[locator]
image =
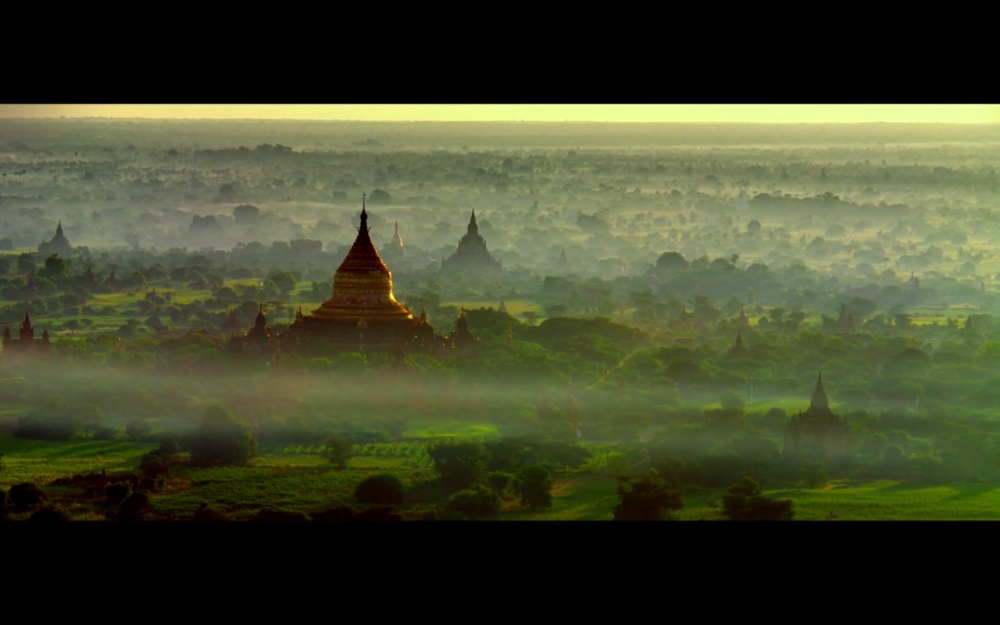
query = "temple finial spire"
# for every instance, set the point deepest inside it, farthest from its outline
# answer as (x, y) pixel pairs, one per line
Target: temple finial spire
(819, 398)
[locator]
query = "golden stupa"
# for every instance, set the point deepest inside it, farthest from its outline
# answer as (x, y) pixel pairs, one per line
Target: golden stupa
(362, 286)
(362, 313)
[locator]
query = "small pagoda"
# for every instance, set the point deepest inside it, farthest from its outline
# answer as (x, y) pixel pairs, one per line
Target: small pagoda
(817, 431)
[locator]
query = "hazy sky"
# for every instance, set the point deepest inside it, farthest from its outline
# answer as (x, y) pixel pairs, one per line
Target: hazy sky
(761, 113)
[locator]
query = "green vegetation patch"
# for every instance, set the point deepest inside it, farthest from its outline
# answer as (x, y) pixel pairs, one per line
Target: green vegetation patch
(274, 481)
(41, 462)
(889, 500)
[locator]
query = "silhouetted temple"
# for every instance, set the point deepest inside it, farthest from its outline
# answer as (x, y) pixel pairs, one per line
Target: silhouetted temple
(58, 245)
(563, 263)
(739, 350)
(846, 322)
(742, 319)
(260, 339)
(472, 256)
(26, 344)
(462, 338)
(89, 279)
(231, 325)
(362, 313)
(817, 431)
(113, 282)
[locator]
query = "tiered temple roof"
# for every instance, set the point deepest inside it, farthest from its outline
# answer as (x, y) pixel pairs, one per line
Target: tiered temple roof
(472, 255)
(362, 311)
(57, 245)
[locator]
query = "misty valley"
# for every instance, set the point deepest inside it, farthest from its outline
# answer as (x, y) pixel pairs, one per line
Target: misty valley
(354, 321)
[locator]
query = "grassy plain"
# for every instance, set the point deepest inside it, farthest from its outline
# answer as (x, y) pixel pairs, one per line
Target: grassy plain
(41, 462)
(306, 482)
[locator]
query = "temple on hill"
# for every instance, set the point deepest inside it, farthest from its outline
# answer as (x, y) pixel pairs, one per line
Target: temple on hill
(26, 344)
(57, 245)
(472, 256)
(362, 313)
(818, 430)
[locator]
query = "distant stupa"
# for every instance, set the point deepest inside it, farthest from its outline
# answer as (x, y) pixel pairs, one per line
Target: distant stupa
(472, 256)
(741, 201)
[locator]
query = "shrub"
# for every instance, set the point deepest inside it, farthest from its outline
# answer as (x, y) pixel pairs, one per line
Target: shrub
(154, 464)
(651, 499)
(207, 515)
(136, 507)
(344, 513)
(475, 503)
(339, 450)
(378, 515)
(26, 495)
(460, 465)
(138, 429)
(223, 439)
(104, 433)
(499, 481)
(745, 502)
(380, 489)
(49, 513)
(117, 493)
(269, 515)
(168, 447)
(533, 486)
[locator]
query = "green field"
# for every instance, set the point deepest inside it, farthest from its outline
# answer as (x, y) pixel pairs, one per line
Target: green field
(306, 482)
(41, 462)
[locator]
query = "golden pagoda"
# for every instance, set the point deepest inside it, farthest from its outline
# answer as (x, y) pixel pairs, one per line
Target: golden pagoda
(362, 306)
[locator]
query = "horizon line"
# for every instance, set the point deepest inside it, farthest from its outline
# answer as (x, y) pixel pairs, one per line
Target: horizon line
(503, 121)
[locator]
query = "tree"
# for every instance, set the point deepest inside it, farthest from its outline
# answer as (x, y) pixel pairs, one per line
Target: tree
(533, 486)
(222, 439)
(379, 197)
(460, 465)
(380, 489)
(475, 503)
(135, 507)
(671, 261)
(49, 513)
(246, 214)
(284, 281)
(138, 429)
(651, 499)
(745, 502)
(339, 450)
